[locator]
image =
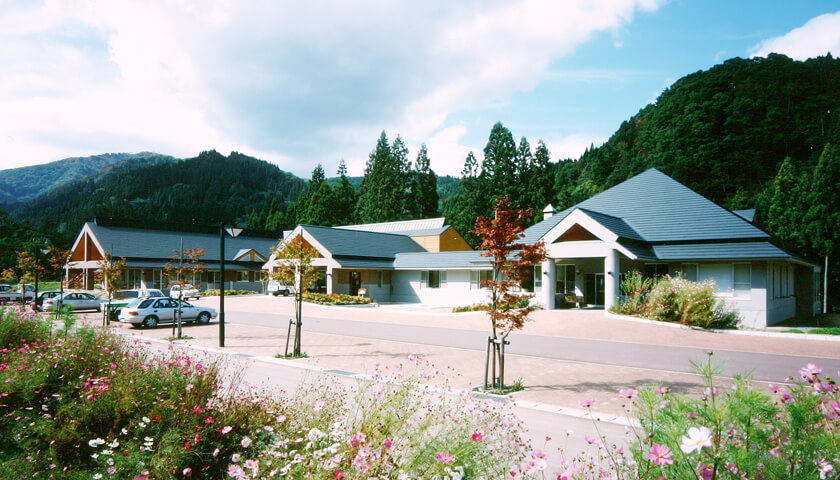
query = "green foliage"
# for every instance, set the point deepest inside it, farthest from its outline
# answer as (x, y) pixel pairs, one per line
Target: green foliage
(344, 198)
(314, 205)
(382, 193)
(215, 293)
(635, 288)
(334, 299)
(205, 190)
(422, 199)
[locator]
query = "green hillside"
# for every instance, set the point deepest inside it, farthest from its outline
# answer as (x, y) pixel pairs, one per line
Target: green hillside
(26, 183)
(202, 190)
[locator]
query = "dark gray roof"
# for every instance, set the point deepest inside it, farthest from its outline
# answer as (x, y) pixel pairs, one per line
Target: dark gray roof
(466, 259)
(747, 214)
(719, 251)
(614, 224)
(206, 265)
(351, 262)
(141, 243)
(661, 209)
(358, 243)
(537, 231)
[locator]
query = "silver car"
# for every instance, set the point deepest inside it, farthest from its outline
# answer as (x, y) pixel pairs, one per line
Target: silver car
(149, 312)
(75, 301)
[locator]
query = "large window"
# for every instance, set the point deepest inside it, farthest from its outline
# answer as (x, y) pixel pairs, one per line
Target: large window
(742, 279)
(478, 277)
(656, 269)
(433, 279)
(689, 271)
(565, 278)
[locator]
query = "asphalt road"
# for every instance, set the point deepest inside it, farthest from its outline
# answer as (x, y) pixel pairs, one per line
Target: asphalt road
(762, 366)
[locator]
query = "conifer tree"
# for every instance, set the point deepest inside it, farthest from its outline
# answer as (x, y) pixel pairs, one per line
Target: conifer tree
(469, 203)
(423, 197)
(498, 170)
(541, 179)
(788, 204)
(314, 205)
(344, 198)
(382, 192)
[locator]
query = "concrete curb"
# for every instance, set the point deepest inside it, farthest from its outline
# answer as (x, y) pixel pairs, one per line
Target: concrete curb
(524, 404)
(753, 333)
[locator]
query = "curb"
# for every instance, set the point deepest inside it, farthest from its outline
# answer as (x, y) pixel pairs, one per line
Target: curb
(524, 404)
(753, 333)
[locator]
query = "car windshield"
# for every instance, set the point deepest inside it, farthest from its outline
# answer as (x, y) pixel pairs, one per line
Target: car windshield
(185, 304)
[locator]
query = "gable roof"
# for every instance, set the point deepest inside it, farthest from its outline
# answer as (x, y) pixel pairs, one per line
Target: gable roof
(357, 243)
(399, 226)
(143, 243)
(655, 208)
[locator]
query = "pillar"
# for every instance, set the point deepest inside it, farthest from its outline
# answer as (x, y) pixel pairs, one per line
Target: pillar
(611, 282)
(546, 295)
(329, 280)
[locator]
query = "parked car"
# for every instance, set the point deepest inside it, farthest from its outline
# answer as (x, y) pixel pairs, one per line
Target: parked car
(47, 294)
(75, 300)
(122, 298)
(10, 293)
(186, 293)
(149, 312)
(276, 288)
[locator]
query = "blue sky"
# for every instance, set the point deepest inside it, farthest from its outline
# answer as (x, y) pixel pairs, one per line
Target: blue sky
(301, 85)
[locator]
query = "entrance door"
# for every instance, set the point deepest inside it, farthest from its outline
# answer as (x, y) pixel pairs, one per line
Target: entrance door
(355, 282)
(593, 289)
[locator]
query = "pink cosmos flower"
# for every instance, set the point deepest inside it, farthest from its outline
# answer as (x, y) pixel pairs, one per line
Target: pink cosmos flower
(386, 443)
(111, 470)
(809, 372)
(704, 472)
(187, 472)
(318, 406)
(444, 457)
(225, 430)
(252, 465)
(338, 475)
(692, 415)
(568, 473)
(696, 439)
(660, 454)
(586, 402)
(775, 388)
(208, 419)
(823, 467)
(246, 442)
(477, 437)
(628, 393)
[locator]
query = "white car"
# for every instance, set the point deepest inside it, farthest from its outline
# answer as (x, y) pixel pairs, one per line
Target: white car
(149, 312)
(187, 292)
(75, 301)
(276, 288)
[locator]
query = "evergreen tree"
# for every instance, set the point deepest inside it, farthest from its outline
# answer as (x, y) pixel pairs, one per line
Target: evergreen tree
(498, 170)
(423, 196)
(823, 215)
(788, 205)
(469, 203)
(344, 198)
(383, 189)
(541, 179)
(314, 206)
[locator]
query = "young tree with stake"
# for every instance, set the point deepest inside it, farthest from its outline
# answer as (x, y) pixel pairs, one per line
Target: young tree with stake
(181, 266)
(294, 267)
(512, 262)
(109, 275)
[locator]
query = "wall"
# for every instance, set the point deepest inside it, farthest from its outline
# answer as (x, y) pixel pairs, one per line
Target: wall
(456, 292)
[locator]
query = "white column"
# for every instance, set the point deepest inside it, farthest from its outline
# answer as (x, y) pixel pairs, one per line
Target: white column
(329, 280)
(611, 283)
(546, 295)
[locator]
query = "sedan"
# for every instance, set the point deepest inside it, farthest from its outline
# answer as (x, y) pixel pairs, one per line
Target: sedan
(75, 301)
(149, 312)
(45, 295)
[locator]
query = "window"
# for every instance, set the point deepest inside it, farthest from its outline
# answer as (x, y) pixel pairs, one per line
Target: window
(689, 271)
(379, 278)
(742, 279)
(433, 279)
(478, 277)
(720, 273)
(241, 276)
(133, 278)
(565, 278)
(656, 269)
(537, 277)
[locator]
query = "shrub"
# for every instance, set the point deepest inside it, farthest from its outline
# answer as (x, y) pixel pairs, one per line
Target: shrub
(215, 293)
(335, 299)
(481, 307)
(677, 300)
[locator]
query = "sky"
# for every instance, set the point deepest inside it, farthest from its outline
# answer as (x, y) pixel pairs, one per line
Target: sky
(303, 83)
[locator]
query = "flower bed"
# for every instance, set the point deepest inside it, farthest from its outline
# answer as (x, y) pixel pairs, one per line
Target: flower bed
(334, 299)
(215, 293)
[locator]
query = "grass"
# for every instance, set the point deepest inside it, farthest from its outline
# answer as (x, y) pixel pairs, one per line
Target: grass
(514, 387)
(826, 331)
(182, 337)
(292, 356)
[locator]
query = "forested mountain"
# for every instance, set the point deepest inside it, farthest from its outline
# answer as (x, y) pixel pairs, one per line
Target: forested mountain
(202, 190)
(26, 183)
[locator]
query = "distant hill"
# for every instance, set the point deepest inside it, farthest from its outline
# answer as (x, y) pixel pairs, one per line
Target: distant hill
(203, 190)
(26, 183)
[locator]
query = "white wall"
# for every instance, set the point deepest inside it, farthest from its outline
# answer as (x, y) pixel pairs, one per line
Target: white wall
(456, 292)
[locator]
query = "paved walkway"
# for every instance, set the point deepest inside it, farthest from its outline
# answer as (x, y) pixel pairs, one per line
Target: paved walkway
(553, 384)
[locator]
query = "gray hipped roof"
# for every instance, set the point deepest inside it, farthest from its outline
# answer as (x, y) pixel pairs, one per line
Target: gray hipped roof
(663, 219)
(142, 243)
(357, 243)
(471, 259)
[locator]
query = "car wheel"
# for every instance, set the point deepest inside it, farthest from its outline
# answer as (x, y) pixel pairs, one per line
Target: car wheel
(150, 322)
(203, 318)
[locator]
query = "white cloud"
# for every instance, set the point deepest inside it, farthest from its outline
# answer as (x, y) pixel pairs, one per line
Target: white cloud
(818, 36)
(294, 83)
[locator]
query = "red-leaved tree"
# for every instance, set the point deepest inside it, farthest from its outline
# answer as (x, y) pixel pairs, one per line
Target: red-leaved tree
(512, 262)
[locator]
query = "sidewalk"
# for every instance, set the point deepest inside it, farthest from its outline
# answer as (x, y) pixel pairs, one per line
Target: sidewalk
(549, 384)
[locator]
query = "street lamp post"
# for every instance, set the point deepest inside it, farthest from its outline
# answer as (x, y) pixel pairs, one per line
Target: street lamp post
(35, 298)
(233, 232)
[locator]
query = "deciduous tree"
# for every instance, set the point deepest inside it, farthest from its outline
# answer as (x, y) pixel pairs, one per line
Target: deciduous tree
(294, 267)
(181, 269)
(512, 261)
(109, 276)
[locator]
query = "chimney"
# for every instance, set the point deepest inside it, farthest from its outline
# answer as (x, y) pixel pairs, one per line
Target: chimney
(548, 212)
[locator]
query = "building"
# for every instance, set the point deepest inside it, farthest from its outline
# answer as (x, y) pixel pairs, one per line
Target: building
(147, 250)
(650, 223)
